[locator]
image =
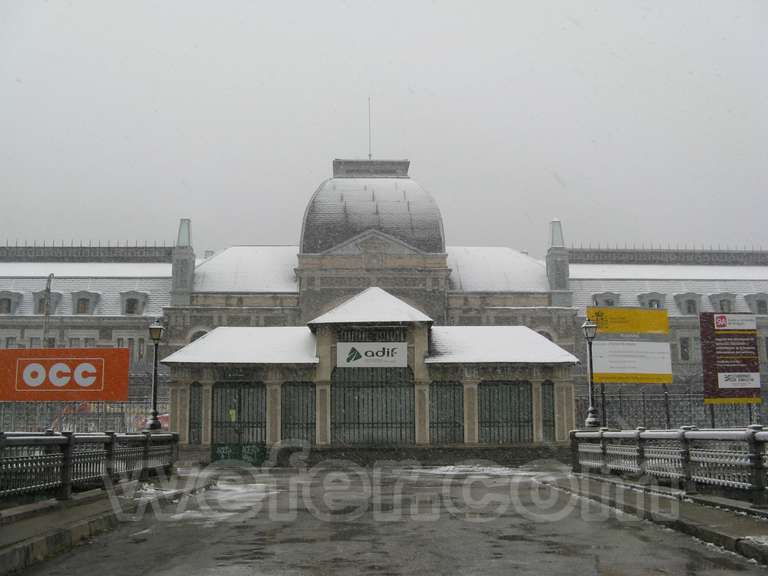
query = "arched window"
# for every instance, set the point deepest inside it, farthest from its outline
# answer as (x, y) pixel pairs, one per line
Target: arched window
(5, 305)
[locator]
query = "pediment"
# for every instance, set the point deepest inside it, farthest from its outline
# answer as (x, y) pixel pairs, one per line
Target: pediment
(372, 242)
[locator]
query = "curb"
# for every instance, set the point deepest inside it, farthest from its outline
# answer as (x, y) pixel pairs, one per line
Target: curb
(747, 547)
(24, 554)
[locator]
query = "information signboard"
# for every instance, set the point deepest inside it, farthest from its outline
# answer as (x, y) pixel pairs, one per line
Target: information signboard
(730, 358)
(64, 374)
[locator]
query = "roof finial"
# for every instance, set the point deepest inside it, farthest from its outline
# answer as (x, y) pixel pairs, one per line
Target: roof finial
(370, 153)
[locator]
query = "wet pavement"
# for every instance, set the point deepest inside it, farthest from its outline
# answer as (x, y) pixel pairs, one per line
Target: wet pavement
(343, 519)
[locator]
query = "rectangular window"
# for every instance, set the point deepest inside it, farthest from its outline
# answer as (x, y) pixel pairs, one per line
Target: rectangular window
(34, 342)
(74, 342)
(655, 304)
(609, 302)
(142, 349)
(82, 305)
(10, 342)
(685, 349)
(762, 307)
(130, 350)
(5, 305)
(725, 306)
(90, 342)
(50, 343)
(690, 307)
(121, 342)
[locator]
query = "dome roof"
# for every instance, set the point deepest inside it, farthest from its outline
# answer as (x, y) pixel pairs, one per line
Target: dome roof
(371, 194)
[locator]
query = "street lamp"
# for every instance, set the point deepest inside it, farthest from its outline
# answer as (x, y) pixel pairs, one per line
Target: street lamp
(590, 331)
(155, 334)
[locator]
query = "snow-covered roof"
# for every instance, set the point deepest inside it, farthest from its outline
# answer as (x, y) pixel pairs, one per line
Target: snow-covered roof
(372, 305)
(495, 269)
(249, 269)
(666, 272)
(494, 344)
(263, 345)
(85, 269)
(109, 303)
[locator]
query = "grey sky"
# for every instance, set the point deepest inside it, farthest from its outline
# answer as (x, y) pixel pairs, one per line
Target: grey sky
(631, 121)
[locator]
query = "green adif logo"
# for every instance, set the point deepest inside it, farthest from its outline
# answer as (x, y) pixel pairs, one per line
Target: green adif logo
(353, 355)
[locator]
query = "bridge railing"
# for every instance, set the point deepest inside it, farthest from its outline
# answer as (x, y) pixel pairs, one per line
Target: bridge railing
(62, 462)
(730, 460)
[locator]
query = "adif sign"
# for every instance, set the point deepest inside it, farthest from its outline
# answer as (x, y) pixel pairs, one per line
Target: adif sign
(372, 354)
(64, 374)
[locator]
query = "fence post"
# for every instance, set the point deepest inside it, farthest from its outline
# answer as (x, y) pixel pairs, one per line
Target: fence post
(603, 452)
(575, 464)
(712, 416)
(685, 460)
(109, 448)
(666, 409)
(640, 451)
(642, 400)
(756, 466)
(145, 457)
(67, 457)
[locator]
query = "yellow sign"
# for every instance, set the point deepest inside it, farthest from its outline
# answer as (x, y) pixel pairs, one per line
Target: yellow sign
(621, 378)
(611, 320)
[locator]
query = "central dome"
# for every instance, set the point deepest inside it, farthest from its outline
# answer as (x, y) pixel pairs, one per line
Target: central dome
(371, 195)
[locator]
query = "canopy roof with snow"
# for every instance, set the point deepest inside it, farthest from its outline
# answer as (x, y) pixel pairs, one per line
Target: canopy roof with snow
(494, 344)
(264, 345)
(448, 344)
(372, 305)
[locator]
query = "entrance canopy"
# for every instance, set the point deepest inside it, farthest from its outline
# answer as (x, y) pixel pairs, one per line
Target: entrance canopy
(372, 305)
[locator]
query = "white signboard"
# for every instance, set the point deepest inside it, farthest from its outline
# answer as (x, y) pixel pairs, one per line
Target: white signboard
(735, 322)
(631, 361)
(738, 380)
(372, 354)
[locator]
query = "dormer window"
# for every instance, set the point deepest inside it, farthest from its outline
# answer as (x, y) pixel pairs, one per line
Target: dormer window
(10, 301)
(758, 303)
(53, 302)
(84, 302)
(724, 302)
(607, 299)
(688, 303)
(653, 300)
(133, 303)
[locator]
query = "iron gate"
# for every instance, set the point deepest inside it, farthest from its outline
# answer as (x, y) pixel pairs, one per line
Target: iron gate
(446, 413)
(239, 421)
(196, 413)
(505, 412)
(297, 409)
(548, 410)
(372, 406)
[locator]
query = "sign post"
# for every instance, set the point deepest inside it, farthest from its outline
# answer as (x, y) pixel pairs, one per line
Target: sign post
(730, 358)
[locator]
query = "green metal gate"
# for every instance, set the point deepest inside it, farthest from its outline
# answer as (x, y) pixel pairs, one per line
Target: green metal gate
(372, 406)
(548, 410)
(297, 412)
(196, 413)
(505, 413)
(239, 421)
(446, 413)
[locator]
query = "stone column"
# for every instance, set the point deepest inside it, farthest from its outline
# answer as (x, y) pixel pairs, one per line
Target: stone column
(183, 413)
(207, 412)
(561, 412)
(323, 413)
(422, 412)
(471, 430)
(538, 423)
(274, 391)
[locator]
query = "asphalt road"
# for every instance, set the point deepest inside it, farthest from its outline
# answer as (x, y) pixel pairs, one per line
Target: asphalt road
(345, 520)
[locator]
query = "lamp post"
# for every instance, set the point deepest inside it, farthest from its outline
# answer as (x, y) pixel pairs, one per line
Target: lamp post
(590, 331)
(155, 334)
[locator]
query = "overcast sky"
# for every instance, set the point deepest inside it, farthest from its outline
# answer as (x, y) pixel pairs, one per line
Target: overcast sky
(631, 121)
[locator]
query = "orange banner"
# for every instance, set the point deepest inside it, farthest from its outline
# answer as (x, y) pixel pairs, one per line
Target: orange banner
(64, 374)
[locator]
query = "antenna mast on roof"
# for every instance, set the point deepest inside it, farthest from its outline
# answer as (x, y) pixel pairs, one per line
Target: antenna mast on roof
(370, 155)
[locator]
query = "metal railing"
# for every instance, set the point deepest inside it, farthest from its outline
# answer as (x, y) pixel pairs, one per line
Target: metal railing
(666, 410)
(78, 416)
(60, 463)
(732, 460)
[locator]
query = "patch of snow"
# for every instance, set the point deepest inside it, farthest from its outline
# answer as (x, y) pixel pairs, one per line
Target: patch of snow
(263, 345)
(495, 269)
(249, 269)
(372, 305)
(507, 344)
(85, 269)
(666, 272)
